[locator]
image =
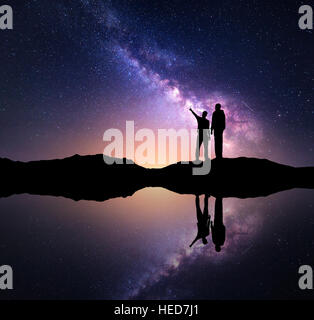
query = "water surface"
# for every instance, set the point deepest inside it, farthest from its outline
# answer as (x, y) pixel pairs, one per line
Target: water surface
(138, 247)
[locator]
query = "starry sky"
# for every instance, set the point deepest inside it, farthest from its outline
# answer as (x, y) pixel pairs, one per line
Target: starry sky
(72, 69)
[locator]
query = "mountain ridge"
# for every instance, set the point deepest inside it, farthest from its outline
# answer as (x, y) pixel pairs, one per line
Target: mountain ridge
(88, 177)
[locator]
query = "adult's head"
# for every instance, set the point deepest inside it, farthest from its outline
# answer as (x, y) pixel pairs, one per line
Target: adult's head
(204, 114)
(217, 106)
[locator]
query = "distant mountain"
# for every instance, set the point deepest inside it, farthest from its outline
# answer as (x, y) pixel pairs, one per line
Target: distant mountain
(76, 177)
(90, 178)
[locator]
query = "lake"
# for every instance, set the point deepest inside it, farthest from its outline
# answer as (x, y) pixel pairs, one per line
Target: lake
(138, 247)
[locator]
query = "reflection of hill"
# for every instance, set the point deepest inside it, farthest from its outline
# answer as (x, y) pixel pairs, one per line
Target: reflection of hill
(89, 178)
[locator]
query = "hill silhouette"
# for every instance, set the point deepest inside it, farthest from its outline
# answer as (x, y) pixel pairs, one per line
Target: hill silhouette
(90, 178)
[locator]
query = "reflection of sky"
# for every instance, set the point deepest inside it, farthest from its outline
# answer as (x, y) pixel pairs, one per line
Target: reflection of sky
(138, 247)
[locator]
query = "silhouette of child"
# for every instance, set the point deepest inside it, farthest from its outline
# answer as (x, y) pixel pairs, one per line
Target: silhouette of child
(203, 221)
(202, 124)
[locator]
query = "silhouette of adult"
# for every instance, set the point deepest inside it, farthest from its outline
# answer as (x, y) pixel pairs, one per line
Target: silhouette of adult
(203, 134)
(203, 220)
(218, 229)
(218, 126)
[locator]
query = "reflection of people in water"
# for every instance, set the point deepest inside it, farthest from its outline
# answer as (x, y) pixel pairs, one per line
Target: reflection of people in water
(218, 228)
(203, 220)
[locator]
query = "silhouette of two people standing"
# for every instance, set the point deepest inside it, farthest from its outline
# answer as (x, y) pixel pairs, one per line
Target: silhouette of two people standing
(204, 225)
(218, 126)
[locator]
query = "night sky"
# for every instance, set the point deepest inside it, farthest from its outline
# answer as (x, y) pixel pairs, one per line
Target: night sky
(72, 69)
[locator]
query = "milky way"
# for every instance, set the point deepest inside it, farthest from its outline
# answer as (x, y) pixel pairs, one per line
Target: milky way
(92, 65)
(167, 99)
(72, 69)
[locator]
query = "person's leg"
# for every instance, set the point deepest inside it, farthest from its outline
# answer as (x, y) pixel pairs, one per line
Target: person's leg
(198, 208)
(218, 145)
(205, 143)
(221, 144)
(200, 141)
(206, 206)
(199, 144)
(197, 147)
(218, 211)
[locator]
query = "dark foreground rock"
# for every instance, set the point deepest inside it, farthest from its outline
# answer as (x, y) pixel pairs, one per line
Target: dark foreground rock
(90, 178)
